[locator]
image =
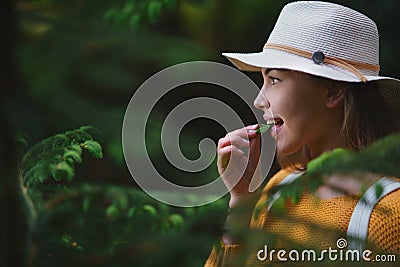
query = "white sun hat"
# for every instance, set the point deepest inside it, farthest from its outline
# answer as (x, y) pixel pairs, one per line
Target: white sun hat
(326, 40)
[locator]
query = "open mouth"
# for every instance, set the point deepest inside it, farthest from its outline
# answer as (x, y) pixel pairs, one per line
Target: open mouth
(275, 121)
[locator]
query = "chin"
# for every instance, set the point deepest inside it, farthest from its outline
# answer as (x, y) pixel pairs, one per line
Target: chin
(296, 160)
(286, 149)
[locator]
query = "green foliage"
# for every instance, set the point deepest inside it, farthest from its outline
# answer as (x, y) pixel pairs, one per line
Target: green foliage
(263, 128)
(56, 156)
(381, 157)
(88, 56)
(102, 225)
(136, 13)
(94, 148)
(79, 62)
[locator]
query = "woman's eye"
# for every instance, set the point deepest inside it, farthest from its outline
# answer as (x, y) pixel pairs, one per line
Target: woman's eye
(274, 80)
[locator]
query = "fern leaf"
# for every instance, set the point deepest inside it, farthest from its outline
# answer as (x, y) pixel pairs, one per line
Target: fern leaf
(63, 170)
(72, 156)
(94, 148)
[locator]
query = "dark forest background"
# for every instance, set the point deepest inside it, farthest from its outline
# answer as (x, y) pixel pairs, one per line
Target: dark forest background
(65, 64)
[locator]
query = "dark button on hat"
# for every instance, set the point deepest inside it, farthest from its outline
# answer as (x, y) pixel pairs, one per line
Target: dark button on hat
(318, 57)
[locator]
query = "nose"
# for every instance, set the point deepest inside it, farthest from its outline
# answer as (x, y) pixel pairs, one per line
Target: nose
(261, 101)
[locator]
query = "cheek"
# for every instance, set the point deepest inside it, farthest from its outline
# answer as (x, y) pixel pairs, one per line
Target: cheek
(306, 110)
(303, 122)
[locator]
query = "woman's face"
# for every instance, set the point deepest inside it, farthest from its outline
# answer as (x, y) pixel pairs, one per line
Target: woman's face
(298, 104)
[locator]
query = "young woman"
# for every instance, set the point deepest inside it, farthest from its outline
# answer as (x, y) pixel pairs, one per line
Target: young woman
(323, 91)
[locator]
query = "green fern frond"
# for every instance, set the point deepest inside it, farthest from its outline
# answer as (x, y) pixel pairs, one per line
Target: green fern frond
(72, 156)
(62, 170)
(381, 157)
(94, 148)
(55, 156)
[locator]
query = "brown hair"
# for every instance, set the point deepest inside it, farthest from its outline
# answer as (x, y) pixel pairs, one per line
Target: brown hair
(366, 119)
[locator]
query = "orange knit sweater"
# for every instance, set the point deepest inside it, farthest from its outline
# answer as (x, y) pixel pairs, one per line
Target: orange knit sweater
(315, 224)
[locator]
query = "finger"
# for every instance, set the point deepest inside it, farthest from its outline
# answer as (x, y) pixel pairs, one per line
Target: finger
(246, 132)
(239, 137)
(223, 142)
(231, 165)
(226, 153)
(235, 141)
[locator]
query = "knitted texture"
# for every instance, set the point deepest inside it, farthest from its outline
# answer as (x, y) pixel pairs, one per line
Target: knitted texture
(384, 224)
(317, 223)
(223, 255)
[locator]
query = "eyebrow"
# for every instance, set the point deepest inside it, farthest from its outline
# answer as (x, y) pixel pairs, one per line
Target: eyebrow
(268, 71)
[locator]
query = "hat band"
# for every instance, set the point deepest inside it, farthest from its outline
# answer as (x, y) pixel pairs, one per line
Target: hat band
(344, 63)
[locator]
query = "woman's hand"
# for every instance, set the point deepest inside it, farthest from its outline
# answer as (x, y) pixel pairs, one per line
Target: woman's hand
(238, 158)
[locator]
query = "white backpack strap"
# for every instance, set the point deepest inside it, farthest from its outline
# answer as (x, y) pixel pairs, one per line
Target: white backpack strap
(287, 180)
(357, 230)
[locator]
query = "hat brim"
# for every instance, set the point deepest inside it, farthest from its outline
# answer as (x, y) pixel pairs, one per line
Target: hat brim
(276, 59)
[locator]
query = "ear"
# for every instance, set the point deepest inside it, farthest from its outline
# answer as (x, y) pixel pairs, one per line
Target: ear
(334, 95)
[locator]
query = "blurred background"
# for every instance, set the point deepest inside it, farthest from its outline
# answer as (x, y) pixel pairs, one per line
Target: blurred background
(65, 64)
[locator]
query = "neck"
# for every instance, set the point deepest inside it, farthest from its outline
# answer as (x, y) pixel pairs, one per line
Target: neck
(328, 142)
